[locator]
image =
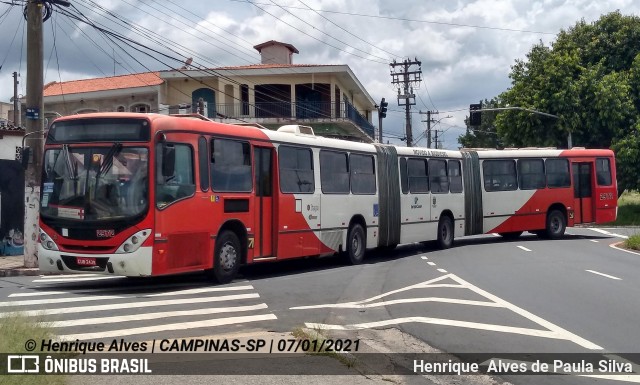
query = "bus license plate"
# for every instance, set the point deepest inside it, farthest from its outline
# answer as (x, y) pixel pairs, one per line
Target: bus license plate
(83, 261)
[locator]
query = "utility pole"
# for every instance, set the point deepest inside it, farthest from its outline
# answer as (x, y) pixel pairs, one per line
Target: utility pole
(429, 121)
(16, 102)
(436, 138)
(34, 125)
(404, 78)
(34, 132)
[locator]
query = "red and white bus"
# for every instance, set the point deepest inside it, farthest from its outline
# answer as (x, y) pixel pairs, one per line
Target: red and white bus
(144, 194)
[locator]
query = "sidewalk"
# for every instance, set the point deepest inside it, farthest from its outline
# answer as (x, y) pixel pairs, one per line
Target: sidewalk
(12, 266)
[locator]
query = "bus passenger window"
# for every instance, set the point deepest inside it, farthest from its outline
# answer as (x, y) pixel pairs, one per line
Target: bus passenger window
(455, 176)
(296, 170)
(418, 176)
(231, 166)
(404, 179)
(499, 175)
(603, 172)
(334, 172)
(363, 175)
(531, 174)
(557, 171)
(438, 178)
(179, 185)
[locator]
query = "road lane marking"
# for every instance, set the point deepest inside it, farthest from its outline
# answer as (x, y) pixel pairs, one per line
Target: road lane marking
(615, 246)
(129, 305)
(438, 321)
(423, 257)
(56, 276)
(553, 331)
(431, 263)
(432, 283)
(593, 240)
(523, 248)
(152, 316)
(605, 275)
(81, 298)
(442, 270)
(352, 305)
(608, 233)
(169, 327)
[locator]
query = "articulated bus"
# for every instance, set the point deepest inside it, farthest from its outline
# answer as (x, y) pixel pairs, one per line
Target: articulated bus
(145, 194)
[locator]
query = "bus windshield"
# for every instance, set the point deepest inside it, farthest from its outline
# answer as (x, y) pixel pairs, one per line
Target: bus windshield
(95, 183)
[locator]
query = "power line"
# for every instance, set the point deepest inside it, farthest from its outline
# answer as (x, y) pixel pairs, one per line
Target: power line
(415, 20)
(311, 36)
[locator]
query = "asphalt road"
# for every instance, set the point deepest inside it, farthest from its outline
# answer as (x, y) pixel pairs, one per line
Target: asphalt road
(485, 295)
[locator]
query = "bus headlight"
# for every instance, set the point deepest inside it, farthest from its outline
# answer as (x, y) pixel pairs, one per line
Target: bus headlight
(47, 242)
(134, 242)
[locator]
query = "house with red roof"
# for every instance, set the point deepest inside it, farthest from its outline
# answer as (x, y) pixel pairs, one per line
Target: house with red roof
(330, 98)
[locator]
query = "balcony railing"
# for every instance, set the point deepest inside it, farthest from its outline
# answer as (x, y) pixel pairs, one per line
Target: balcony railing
(299, 110)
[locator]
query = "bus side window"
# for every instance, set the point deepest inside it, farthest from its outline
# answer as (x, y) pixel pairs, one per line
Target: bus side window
(179, 185)
(603, 172)
(499, 175)
(455, 176)
(531, 174)
(404, 178)
(231, 166)
(438, 178)
(557, 171)
(417, 172)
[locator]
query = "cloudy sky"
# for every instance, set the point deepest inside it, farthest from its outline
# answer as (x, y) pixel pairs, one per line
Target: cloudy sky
(466, 47)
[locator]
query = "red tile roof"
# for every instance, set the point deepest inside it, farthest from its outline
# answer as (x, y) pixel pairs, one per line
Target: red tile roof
(102, 84)
(141, 80)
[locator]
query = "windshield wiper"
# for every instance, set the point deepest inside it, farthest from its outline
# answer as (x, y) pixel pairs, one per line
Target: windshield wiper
(73, 173)
(107, 163)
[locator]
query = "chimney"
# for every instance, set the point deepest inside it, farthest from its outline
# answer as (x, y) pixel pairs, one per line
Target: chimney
(275, 52)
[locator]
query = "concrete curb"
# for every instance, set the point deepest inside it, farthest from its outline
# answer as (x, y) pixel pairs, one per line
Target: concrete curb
(20, 271)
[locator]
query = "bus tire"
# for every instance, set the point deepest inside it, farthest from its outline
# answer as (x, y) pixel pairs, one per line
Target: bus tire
(356, 244)
(511, 235)
(556, 225)
(227, 258)
(445, 232)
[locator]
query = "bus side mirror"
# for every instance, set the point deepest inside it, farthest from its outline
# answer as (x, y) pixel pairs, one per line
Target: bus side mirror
(25, 153)
(168, 160)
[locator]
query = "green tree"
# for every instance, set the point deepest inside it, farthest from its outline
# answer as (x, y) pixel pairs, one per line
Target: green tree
(485, 135)
(590, 77)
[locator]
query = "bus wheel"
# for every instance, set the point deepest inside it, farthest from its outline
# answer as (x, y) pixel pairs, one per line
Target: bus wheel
(356, 245)
(227, 257)
(445, 232)
(556, 224)
(511, 235)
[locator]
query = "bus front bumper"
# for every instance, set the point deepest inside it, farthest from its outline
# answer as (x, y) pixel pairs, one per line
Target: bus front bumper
(135, 264)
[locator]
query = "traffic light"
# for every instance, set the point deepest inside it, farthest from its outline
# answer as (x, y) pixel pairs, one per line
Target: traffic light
(383, 108)
(475, 116)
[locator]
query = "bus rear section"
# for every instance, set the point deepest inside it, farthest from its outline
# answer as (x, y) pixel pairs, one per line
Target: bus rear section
(539, 190)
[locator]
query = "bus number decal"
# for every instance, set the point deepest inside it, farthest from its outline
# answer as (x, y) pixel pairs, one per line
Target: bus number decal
(606, 196)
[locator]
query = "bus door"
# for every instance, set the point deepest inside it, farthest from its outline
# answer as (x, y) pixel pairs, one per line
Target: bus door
(583, 191)
(263, 173)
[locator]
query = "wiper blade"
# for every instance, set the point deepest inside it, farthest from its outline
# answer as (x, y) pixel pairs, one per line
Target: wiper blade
(108, 158)
(67, 158)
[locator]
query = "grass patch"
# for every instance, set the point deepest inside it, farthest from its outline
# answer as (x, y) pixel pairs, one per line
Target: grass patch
(319, 349)
(628, 209)
(633, 242)
(15, 330)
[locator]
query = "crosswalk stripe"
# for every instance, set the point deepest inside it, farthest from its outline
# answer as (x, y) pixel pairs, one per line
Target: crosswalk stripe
(152, 316)
(60, 300)
(201, 290)
(83, 309)
(169, 327)
(48, 277)
(43, 293)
